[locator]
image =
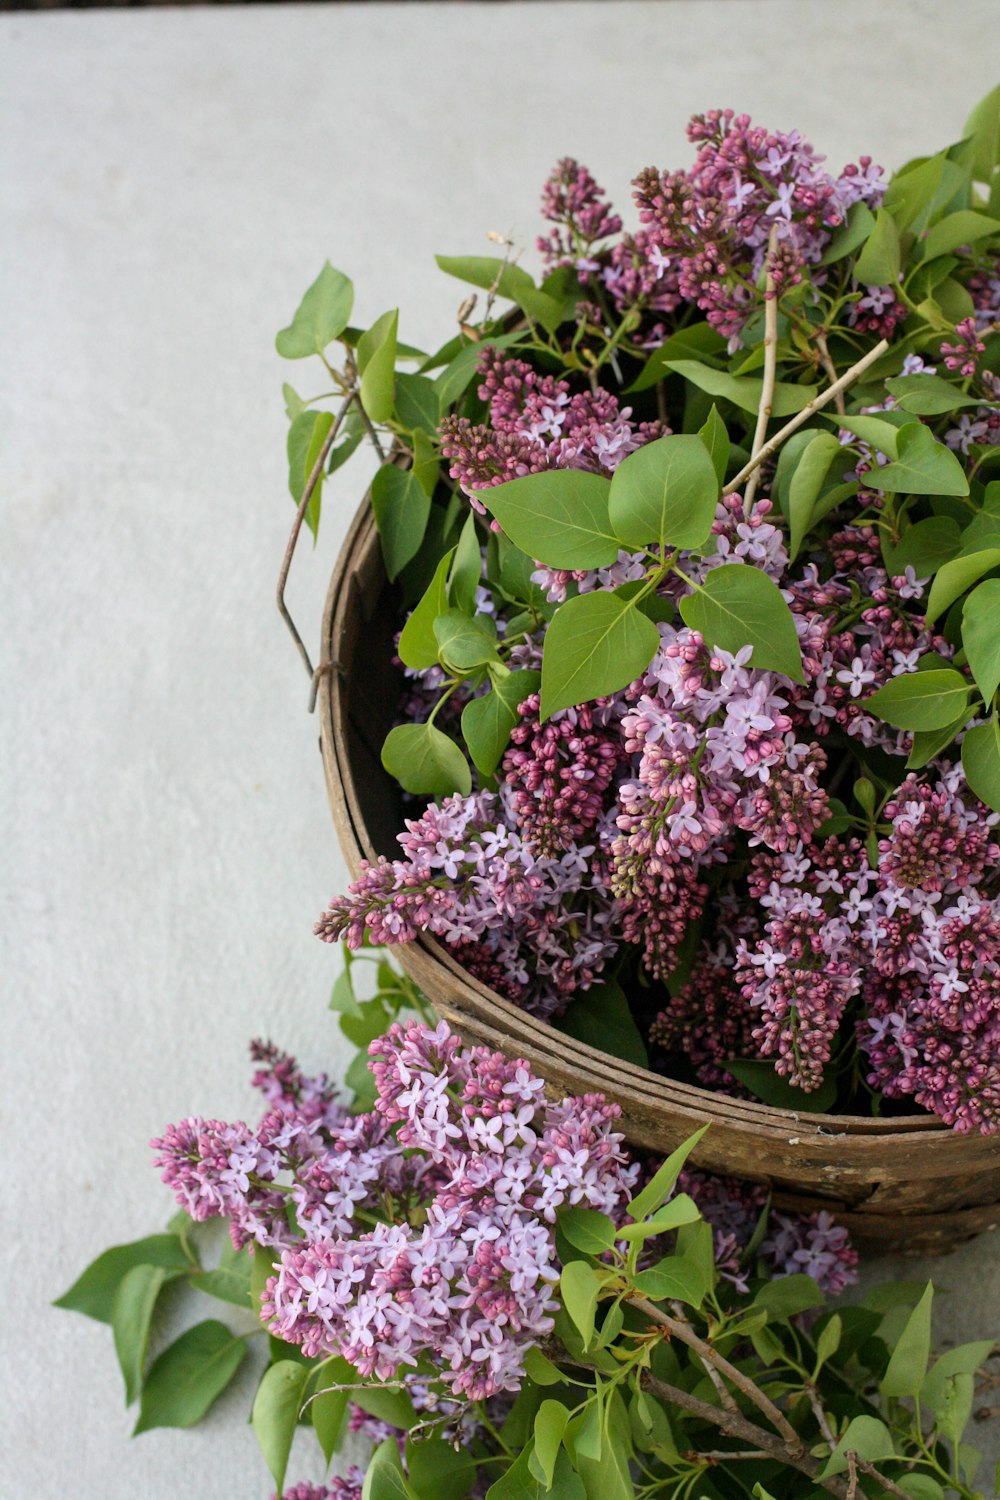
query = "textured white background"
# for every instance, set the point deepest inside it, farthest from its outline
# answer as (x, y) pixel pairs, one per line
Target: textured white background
(171, 181)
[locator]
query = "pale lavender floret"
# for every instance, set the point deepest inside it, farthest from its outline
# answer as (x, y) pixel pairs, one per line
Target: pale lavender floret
(813, 1246)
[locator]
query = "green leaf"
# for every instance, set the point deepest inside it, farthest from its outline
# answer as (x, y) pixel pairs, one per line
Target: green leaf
(418, 646)
(923, 467)
(436, 1471)
(699, 341)
(879, 261)
(907, 1366)
(880, 433)
(426, 468)
(487, 722)
(853, 232)
(587, 1229)
(559, 517)
(829, 1340)
(925, 547)
(953, 578)
(680, 1210)
(739, 606)
(788, 1296)
(596, 645)
(761, 1079)
(920, 1487)
(426, 761)
(602, 1017)
(306, 437)
(294, 404)
(321, 317)
(467, 568)
(540, 1369)
(673, 1279)
(465, 643)
(966, 1359)
(377, 366)
(804, 487)
(665, 492)
(550, 1424)
(509, 281)
(662, 1183)
(920, 700)
(981, 636)
(745, 391)
(402, 510)
(578, 1289)
(457, 374)
(928, 395)
(869, 1438)
(716, 439)
(519, 1483)
(418, 406)
(928, 743)
(131, 1317)
(983, 128)
(608, 1477)
(94, 1292)
(981, 762)
(921, 190)
(327, 1410)
(384, 1479)
(189, 1375)
(275, 1413)
(230, 1281)
(962, 228)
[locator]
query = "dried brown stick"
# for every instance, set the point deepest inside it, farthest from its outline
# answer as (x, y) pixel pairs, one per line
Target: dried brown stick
(770, 368)
(811, 407)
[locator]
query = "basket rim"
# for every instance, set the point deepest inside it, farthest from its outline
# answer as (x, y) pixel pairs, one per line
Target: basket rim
(925, 1134)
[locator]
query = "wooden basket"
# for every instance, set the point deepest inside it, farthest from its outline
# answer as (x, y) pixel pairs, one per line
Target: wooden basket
(899, 1184)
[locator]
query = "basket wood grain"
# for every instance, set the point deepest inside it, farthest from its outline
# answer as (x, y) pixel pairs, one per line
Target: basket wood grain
(904, 1183)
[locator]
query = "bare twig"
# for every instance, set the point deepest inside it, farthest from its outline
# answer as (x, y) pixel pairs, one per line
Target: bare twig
(712, 1358)
(813, 406)
(356, 398)
(722, 1453)
(307, 495)
(770, 368)
(736, 1425)
(873, 1473)
(830, 368)
(852, 1474)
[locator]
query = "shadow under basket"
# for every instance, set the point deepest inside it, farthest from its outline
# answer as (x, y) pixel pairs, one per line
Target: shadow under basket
(902, 1184)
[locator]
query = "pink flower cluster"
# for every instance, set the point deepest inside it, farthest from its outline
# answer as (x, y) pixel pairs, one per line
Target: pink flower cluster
(795, 1244)
(514, 914)
(458, 1171)
(536, 423)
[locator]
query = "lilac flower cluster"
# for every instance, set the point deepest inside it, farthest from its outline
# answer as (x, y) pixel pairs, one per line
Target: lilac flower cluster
(751, 196)
(424, 1230)
(536, 423)
(515, 915)
(794, 1244)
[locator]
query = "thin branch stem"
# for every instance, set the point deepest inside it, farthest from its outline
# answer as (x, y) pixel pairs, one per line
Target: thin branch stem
(873, 1473)
(770, 369)
(711, 1357)
(852, 1474)
(815, 405)
(356, 398)
(307, 495)
(830, 368)
(736, 1425)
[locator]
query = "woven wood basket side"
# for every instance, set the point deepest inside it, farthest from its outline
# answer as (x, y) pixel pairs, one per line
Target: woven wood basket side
(905, 1183)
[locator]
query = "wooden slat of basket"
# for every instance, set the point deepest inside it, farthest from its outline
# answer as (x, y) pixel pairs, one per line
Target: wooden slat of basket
(894, 1174)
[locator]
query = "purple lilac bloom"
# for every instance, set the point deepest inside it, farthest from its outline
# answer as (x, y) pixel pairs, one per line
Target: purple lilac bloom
(470, 1283)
